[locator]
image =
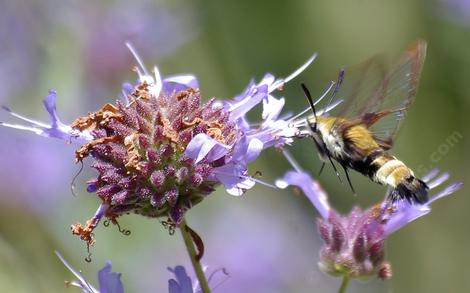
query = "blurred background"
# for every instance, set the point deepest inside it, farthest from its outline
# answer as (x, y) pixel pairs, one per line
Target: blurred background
(266, 239)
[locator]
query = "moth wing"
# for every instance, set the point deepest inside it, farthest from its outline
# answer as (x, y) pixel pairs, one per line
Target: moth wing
(379, 97)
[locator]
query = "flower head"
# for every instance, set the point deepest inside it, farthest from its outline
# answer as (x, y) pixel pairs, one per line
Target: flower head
(160, 150)
(354, 243)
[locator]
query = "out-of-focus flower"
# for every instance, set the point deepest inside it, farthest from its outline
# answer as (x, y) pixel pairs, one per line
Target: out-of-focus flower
(456, 11)
(354, 243)
(112, 24)
(109, 282)
(21, 24)
(183, 284)
(159, 151)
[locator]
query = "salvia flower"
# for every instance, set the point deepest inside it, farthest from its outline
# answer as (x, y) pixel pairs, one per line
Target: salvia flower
(160, 150)
(354, 243)
(182, 282)
(109, 282)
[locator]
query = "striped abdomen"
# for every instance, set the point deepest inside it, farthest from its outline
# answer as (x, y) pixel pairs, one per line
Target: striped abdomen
(394, 173)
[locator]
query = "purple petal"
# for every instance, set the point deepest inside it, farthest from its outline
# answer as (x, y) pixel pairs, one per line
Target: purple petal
(182, 284)
(267, 80)
(179, 82)
(240, 108)
(311, 188)
(127, 89)
(92, 186)
(277, 133)
(232, 176)
(248, 89)
(406, 214)
(173, 286)
(247, 149)
(241, 187)
(438, 181)
(430, 175)
(101, 211)
(451, 188)
(110, 282)
(49, 102)
(203, 145)
(255, 147)
(55, 130)
(272, 107)
(158, 86)
(229, 174)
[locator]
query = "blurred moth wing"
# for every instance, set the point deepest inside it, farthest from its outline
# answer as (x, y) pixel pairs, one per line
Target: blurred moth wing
(380, 97)
(376, 98)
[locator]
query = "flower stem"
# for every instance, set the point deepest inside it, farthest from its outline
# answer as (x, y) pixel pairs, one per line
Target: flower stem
(192, 254)
(344, 284)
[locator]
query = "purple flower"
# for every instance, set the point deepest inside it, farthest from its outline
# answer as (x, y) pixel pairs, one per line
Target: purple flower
(456, 11)
(21, 49)
(354, 243)
(109, 282)
(55, 128)
(183, 284)
(159, 151)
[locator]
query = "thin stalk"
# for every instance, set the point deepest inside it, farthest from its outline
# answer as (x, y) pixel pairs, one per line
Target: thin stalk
(188, 241)
(344, 284)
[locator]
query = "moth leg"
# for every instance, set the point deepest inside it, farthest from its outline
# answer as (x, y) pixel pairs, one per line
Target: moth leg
(321, 168)
(336, 170)
(349, 180)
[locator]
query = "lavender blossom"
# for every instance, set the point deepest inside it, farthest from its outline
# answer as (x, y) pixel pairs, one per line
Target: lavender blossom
(456, 11)
(159, 151)
(354, 243)
(183, 284)
(109, 282)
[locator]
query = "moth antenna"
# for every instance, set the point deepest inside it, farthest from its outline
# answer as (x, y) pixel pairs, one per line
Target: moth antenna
(309, 98)
(339, 82)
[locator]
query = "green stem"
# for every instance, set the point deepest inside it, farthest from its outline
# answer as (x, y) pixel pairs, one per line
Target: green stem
(188, 241)
(344, 284)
